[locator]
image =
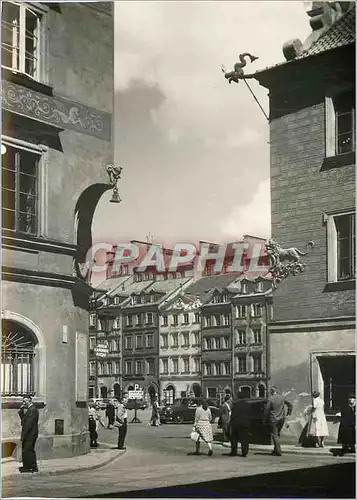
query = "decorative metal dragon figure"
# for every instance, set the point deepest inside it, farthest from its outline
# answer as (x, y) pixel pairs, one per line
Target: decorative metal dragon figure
(284, 262)
(114, 174)
(238, 72)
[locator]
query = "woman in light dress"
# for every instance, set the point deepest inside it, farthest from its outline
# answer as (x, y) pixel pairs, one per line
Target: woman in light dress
(317, 421)
(203, 427)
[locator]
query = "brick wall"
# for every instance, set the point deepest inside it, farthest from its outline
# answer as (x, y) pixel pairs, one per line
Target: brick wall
(300, 193)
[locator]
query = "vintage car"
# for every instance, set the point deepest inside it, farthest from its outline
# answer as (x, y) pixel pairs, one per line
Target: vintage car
(183, 410)
(140, 405)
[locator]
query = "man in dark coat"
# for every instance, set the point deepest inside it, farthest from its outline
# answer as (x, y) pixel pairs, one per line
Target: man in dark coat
(347, 430)
(239, 426)
(225, 416)
(110, 414)
(274, 415)
(29, 422)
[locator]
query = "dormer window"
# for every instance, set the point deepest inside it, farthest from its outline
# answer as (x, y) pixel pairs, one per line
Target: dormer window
(106, 302)
(116, 301)
(259, 287)
(244, 288)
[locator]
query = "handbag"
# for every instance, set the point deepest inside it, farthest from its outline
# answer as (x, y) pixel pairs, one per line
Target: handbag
(194, 436)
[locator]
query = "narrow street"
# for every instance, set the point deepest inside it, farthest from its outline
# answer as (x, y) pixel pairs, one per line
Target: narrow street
(159, 457)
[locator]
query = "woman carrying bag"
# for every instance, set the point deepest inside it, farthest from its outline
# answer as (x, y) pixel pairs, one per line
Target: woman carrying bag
(202, 429)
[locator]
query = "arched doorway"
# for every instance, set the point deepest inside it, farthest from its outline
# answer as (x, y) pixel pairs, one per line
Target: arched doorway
(261, 391)
(197, 391)
(117, 391)
(245, 390)
(18, 352)
(104, 392)
(169, 394)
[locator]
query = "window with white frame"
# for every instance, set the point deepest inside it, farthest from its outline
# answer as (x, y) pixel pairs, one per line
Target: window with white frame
(208, 342)
(93, 320)
(341, 246)
(20, 38)
(241, 311)
(116, 323)
(149, 318)
(227, 368)
(174, 338)
(259, 287)
(164, 341)
(197, 317)
(128, 342)
(128, 367)
(139, 342)
(218, 368)
(196, 339)
(92, 368)
(92, 342)
(340, 123)
(139, 367)
(149, 340)
(175, 319)
(208, 369)
(211, 393)
(150, 366)
(186, 365)
(196, 365)
(217, 319)
(138, 320)
(225, 342)
(129, 320)
(186, 318)
(20, 196)
(256, 310)
(257, 336)
(217, 341)
(208, 321)
(109, 368)
(101, 369)
(241, 364)
(117, 367)
(165, 321)
(165, 366)
(241, 337)
(185, 339)
(226, 319)
(257, 363)
(18, 360)
(175, 365)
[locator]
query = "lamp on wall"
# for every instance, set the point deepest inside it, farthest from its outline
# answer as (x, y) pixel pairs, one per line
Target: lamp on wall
(3, 149)
(114, 174)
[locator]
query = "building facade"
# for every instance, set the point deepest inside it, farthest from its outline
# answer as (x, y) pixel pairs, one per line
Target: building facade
(180, 348)
(312, 137)
(57, 92)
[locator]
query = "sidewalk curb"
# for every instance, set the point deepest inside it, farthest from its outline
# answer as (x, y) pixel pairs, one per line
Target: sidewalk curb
(291, 451)
(71, 469)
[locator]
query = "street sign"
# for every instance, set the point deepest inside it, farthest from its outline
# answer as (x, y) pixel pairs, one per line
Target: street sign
(101, 350)
(137, 393)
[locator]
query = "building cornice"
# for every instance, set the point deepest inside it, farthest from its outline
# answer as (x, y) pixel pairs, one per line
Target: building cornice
(318, 324)
(24, 242)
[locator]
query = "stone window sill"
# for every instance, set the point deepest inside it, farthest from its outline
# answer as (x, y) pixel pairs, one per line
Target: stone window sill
(339, 286)
(14, 403)
(25, 81)
(338, 161)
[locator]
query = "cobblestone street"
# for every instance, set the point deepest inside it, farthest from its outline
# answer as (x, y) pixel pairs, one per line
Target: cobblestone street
(159, 457)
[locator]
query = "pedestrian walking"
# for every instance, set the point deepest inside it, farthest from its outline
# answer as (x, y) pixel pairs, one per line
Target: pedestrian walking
(239, 426)
(28, 414)
(155, 414)
(121, 421)
(274, 416)
(225, 416)
(317, 424)
(93, 419)
(110, 414)
(203, 427)
(347, 430)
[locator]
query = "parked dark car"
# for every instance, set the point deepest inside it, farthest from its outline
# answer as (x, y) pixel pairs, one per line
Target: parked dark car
(259, 433)
(140, 405)
(183, 410)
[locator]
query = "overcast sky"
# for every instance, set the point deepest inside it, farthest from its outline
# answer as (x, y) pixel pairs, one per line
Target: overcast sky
(194, 149)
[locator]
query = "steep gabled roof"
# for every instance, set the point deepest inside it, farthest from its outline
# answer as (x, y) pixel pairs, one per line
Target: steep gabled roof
(341, 33)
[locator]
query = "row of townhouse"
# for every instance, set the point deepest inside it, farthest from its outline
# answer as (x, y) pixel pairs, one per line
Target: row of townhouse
(181, 336)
